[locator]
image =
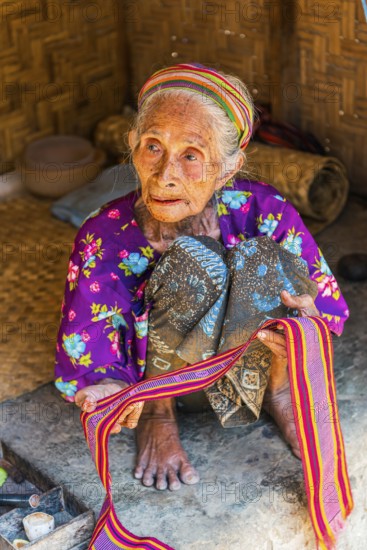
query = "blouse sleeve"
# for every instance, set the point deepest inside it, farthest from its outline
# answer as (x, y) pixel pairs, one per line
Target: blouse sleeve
(98, 322)
(292, 233)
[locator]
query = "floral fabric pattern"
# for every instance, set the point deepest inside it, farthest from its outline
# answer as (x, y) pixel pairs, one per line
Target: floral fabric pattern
(268, 213)
(103, 329)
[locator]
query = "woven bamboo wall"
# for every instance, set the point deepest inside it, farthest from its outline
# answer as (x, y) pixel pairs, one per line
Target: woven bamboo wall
(61, 69)
(64, 66)
(329, 41)
(307, 59)
(233, 36)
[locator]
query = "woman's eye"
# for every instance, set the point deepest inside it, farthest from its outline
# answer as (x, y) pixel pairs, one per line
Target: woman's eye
(190, 156)
(152, 147)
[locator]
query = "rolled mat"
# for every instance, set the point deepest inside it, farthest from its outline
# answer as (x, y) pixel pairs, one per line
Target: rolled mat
(316, 185)
(312, 386)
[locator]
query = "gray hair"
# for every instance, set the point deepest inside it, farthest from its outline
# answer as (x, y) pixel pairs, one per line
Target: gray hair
(225, 132)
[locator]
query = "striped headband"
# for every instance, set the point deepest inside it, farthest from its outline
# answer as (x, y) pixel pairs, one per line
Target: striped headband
(210, 83)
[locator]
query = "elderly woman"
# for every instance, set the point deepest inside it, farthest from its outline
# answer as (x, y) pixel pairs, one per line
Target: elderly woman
(186, 267)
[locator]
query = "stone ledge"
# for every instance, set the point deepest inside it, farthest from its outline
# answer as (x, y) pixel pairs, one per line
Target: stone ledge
(251, 490)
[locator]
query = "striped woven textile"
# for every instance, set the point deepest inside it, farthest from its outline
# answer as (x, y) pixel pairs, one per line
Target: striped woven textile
(208, 83)
(312, 384)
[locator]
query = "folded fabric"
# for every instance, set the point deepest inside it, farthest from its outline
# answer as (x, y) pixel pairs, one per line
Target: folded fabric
(110, 184)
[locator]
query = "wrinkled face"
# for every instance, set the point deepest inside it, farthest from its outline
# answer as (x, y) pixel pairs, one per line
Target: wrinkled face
(177, 160)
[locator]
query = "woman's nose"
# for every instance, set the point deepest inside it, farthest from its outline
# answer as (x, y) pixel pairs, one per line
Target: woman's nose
(167, 174)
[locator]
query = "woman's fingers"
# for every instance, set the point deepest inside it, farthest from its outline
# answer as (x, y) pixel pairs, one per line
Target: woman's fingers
(274, 341)
(89, 405)
(130, 417)
(88, 397)
(116, 429)
(303, 303)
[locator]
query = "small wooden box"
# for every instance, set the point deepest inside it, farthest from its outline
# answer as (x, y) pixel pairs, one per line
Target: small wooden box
(69, 530)
(74, 522)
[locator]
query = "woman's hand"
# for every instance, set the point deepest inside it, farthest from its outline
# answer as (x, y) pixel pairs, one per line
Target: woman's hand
(275, 341)
(129, 418)
(303, 303)
(87, 399)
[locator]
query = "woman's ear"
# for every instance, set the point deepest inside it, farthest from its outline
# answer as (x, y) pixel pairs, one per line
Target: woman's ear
(132, 138)
(228, 171)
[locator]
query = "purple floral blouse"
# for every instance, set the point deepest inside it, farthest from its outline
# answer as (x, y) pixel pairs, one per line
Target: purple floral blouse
(103, 330)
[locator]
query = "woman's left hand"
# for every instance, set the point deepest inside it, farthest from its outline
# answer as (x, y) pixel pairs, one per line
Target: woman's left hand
(275, 341)
(303, 303)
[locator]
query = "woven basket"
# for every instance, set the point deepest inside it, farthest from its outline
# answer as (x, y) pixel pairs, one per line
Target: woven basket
(111, 133)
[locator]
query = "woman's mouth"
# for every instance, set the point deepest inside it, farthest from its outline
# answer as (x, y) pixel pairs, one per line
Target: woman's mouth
(165, 202)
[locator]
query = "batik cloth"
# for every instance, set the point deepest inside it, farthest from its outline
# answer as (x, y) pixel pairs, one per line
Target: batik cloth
(103, 329)
(203, 300)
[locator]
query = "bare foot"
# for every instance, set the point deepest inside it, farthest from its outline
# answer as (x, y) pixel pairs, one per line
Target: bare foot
(278, 405)
(161, 458)
(87, 398)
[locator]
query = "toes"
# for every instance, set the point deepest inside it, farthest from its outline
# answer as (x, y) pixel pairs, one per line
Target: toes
(148, 477)
(161, 482)
(138, 472)
(142, 462)
(173, 482)
(188, 474)
(141, 465)
(290, 435)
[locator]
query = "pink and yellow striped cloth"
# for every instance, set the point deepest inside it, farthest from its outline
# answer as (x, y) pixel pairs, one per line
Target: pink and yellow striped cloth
(209, 83)
(312, 384)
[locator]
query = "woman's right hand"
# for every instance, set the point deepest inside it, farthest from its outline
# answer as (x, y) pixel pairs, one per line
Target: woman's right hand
(87, 399)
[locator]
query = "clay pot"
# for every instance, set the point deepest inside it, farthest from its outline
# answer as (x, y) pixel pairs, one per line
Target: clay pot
(59, 150)
(57, 165)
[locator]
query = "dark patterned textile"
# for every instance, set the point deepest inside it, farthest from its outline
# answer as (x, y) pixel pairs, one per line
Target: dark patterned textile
(204, 299)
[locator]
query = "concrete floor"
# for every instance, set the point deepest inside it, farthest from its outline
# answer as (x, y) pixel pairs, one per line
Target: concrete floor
(251, 494)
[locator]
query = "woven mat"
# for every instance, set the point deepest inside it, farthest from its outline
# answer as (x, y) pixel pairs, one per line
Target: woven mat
(316, 185)
(35, 248)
